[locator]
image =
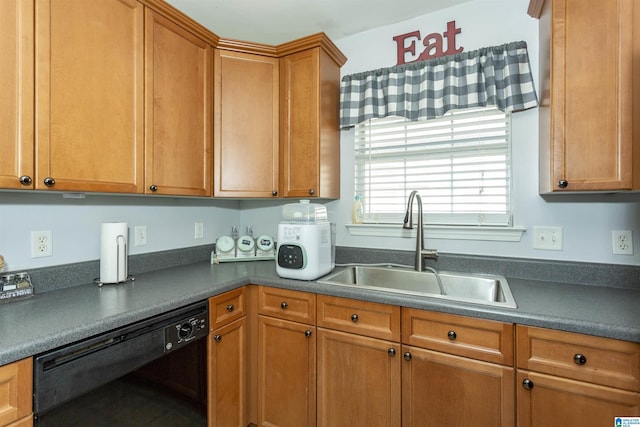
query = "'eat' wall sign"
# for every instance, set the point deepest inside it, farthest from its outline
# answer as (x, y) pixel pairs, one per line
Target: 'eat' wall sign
(433, 44)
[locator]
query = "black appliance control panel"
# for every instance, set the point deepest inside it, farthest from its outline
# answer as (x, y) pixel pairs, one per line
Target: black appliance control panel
(291, 256)
(183, 331)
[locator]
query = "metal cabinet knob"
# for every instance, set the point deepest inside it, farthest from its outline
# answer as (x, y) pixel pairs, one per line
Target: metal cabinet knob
(217, 338)
(563, 183)
(312, 191)
(527, 383)
(230, 308)
(580, 359)
(391, 351)
(452, 335)
(25, 180)
(407, 356)
(49, 182)
(354, 318)
(274, 193)
(153, 187)
(307, 333)
(284, 305)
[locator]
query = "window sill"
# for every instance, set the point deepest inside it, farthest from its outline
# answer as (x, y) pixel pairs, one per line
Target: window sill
(502, 234)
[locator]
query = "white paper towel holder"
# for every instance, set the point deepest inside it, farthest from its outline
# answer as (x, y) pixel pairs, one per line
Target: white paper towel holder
(114, 254)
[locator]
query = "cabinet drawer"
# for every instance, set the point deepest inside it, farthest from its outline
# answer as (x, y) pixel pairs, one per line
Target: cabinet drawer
(286, 304)
(359, 317)
(15, 391)
(227, 307)
(480, 339)
(597, 360)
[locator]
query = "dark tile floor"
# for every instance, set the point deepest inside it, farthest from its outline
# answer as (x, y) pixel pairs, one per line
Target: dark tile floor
(125, 403)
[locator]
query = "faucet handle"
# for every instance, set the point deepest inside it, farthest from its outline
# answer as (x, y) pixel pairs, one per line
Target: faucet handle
(429, 253)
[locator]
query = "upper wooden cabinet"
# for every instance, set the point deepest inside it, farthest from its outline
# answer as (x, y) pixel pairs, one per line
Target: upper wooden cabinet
(89, 95)
(179, 113)
(589, 62)
(246, 160)
(310, 136)
(125, 96)
(16, 101)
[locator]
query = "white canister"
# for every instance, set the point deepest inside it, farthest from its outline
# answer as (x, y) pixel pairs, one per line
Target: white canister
(114, 252)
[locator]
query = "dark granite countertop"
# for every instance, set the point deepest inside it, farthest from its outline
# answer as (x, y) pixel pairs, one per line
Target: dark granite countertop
(51, 319)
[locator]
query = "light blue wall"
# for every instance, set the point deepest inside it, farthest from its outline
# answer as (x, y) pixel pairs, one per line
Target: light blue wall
(587, 221)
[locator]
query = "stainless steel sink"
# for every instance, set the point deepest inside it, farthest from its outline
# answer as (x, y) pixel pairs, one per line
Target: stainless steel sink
(491, 290)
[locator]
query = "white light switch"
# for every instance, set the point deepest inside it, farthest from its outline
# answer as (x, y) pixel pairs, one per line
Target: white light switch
(547, 238)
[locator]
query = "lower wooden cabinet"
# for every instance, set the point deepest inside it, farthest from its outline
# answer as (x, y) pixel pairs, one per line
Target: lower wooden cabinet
(358, 380)
(227, 376)
(286, 373)
(23, 422)
(456, 370)
(16, 393)
(566, 378)
(315, 360)
(286, 356)
(441, 389)
(227, 360)
(545, 400)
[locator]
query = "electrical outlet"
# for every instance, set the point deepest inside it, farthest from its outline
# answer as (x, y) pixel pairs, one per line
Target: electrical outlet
(547, 238)
(198, 230)
(140, 232)
(41, 244)
(622, 241)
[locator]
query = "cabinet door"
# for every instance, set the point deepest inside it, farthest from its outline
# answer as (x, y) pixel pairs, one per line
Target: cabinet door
(246, 159)
(554, 401)
(227, 376)
(440, 389)
(591, 96)
(16, 94)
(15, 394)
(179, 116)
(310, 148)
(286, 373)
(89, 95)
(358, 380)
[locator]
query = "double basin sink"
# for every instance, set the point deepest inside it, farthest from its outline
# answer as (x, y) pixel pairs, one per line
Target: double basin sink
(484, 289)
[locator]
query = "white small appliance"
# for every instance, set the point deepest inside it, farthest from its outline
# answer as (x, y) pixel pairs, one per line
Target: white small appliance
(114, 252)
(305, 242)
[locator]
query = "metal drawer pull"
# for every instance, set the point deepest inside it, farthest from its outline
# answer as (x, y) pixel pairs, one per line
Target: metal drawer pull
(407, 356)
(217, 338)
(452, 335)
(527, 383)
(307, 333)
(354, 318)
(284, 305)
(230, 308)
(580, 359)
(391, 351)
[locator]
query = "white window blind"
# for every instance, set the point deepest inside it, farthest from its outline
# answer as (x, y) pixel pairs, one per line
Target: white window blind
(460, 164)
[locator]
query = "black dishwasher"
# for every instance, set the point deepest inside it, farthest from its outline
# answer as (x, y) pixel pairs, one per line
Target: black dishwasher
(152, 372)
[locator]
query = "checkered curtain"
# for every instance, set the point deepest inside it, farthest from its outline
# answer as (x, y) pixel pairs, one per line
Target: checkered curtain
(499, 76)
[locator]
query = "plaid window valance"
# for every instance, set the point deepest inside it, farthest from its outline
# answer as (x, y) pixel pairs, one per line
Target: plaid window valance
(499, 76)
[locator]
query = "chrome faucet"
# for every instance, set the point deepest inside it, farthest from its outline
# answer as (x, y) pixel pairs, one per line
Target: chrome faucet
(421, 252)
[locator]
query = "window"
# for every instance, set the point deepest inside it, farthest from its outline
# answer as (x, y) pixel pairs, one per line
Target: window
(460, 164)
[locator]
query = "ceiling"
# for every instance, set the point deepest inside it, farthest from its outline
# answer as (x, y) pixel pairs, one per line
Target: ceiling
(278, 21)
